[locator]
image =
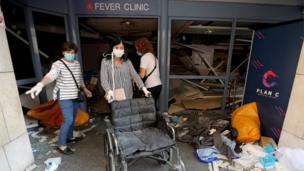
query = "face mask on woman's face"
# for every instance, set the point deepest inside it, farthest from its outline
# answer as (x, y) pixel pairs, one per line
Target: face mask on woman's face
(139, 53)
(69, 56)
(118, 52)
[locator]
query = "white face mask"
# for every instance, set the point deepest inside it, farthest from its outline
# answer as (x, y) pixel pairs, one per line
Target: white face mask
(139, 54)
(118, 52)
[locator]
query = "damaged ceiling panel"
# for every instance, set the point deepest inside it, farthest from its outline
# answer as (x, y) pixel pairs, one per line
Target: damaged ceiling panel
(123, 26)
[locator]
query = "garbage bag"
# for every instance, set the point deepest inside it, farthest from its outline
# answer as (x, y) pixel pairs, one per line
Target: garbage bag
(49, 115)
(245, 120)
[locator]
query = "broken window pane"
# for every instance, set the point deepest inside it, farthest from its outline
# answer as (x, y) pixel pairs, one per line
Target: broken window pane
(185, 94)
(50, 32)
(18, 40)
(199, 47)
(240, 56)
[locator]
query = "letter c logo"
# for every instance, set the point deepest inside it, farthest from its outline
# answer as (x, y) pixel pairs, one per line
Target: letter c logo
(266, 76)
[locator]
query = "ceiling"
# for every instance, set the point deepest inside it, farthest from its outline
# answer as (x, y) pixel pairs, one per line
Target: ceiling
(207, 32)
(133, 28)
(122, 26)
(130, 27)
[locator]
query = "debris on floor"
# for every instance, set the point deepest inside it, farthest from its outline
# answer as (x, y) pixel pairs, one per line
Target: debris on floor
(32, 124)
(199, 95)
(185, 94)
(207, 155)
(31, 167)
(52, 163)
(35, 135)
(203, 104)
(53, 140)
(44, 140)
(232, 144)
(267, 140)
(194, 128)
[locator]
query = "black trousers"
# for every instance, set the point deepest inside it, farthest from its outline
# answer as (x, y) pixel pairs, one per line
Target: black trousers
(155, 91)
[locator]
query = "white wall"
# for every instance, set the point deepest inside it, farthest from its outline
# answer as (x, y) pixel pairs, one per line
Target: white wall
(15, 148)
(293, 129)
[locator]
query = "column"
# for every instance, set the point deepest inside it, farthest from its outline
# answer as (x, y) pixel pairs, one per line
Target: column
(15, 148)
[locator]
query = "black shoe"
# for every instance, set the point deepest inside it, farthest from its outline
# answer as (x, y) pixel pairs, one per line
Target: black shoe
(76, 139)
(66, 151)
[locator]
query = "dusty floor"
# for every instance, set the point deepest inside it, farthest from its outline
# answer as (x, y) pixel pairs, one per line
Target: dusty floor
(89, 155)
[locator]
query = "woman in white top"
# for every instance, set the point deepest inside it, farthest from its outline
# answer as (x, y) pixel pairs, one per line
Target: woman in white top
(149, 68)
(66, 91)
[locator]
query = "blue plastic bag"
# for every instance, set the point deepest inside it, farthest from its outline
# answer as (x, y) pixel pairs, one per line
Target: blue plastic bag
(206, 155)
(268, 162)
(269, 149)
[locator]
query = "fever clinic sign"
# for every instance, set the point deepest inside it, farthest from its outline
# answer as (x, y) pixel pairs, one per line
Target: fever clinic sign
(118, 6)
(121, 7)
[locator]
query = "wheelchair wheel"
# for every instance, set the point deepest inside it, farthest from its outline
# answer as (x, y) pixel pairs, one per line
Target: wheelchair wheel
(110, 165)
(106, 146)
(183, 167)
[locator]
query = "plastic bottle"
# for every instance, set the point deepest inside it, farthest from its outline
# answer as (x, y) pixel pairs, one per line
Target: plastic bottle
(48, 167)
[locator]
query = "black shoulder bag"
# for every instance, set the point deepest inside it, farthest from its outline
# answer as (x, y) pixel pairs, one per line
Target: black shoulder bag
(146, 77)
(81, 97)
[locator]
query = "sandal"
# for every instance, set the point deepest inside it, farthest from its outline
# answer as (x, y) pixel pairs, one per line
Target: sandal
(66, 151)
(75, 139)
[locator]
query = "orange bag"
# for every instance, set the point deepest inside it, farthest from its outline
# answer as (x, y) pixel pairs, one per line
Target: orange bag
(245, 120)
(50, 115)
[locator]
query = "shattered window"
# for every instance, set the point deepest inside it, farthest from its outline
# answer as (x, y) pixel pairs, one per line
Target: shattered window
(240, 57)
(187, 94)
(50, 32)
(18, 40)
(199, 47)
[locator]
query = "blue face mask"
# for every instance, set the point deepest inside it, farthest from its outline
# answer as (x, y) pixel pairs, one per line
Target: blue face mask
(69, 56)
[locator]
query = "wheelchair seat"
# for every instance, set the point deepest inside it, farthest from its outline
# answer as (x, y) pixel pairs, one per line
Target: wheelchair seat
(146, 140)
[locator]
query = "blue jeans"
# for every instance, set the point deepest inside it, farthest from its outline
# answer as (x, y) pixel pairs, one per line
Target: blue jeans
(68, 110)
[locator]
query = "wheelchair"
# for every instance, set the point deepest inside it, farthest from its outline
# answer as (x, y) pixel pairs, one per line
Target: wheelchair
(135, 131)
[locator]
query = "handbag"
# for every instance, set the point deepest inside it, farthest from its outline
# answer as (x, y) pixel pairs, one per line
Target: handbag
(147, 76)
(80, 95)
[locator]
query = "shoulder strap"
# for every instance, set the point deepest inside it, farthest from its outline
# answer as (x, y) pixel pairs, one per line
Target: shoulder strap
(71, 74)
(153, 68)
(113, 73)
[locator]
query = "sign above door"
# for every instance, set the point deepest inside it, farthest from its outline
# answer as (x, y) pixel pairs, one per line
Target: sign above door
(118, 7)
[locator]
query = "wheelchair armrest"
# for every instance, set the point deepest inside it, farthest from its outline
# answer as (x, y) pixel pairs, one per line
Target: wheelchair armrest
(163, 124)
